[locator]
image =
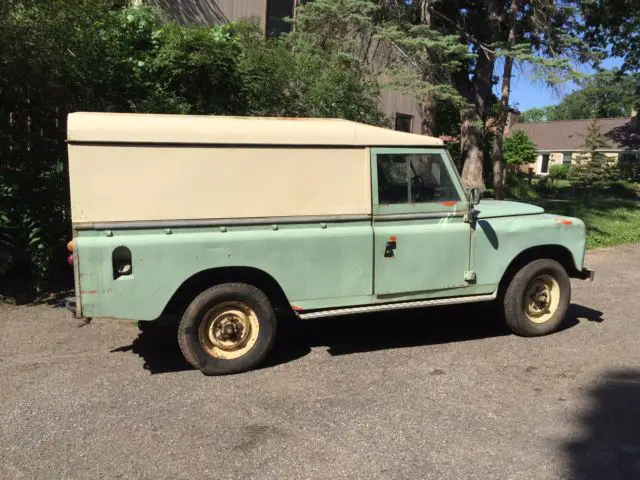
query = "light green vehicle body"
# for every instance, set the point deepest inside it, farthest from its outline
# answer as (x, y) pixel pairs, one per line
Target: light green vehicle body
(448, 250)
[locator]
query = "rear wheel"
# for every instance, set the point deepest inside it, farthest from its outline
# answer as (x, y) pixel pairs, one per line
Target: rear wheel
(537, 298)
(228, 328)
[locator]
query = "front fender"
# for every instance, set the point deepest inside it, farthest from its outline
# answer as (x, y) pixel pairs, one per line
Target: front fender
(498, 241)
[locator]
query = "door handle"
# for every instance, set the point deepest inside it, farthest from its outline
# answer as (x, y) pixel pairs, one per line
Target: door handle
(390, 247)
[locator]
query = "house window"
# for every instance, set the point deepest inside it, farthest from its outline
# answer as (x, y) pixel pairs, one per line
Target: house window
(566, 158)
(544, 164)
(404, 122)
(277, 11)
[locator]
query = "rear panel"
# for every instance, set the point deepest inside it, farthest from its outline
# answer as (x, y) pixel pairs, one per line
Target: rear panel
(321, 263)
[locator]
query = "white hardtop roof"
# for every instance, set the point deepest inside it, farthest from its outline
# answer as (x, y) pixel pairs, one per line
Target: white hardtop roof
(227, 130)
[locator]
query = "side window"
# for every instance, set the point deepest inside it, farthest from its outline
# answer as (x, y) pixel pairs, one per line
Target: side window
(414, 178)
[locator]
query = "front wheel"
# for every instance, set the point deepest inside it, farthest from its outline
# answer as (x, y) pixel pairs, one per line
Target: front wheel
(228, 328)
(537, 298)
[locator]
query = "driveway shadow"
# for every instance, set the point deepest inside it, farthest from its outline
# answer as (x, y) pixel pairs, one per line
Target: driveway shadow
(607, 444)
(158, 347)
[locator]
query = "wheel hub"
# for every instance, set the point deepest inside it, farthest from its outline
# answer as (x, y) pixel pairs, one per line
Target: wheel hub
(541, 298)
(229, 330)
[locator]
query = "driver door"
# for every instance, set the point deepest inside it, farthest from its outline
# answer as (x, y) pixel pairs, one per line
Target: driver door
(421, 239)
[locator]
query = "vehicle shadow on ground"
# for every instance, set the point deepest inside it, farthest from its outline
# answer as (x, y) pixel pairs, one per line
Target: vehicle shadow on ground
(607, 444)
(158, 348)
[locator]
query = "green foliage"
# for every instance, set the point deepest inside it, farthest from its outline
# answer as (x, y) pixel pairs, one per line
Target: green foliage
(542, 114)
(594, 170)
(519, 149)
(560, 171)
(607, 94)
(57, 57)
(384, 42)
(609, 222)
(612, 28)
(629, 166)
(6, 244)
(422, 66)
(557, 173)
(519, 187)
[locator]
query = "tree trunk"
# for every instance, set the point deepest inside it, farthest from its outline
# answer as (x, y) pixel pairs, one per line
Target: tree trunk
(499, 174)
(472, 119)
(471, 148)
(428, 105)
(428, 113)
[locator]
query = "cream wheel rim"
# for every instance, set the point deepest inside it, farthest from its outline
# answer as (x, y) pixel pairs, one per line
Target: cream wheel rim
(229, 330)
(541, 298)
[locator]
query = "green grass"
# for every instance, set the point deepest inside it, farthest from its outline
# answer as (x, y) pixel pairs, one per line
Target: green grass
(609, 221)
(612, 215)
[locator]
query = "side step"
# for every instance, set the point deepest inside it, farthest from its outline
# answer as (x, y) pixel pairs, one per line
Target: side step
(397, 306)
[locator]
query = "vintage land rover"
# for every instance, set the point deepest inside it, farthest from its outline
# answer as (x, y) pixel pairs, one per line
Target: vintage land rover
(224, 221)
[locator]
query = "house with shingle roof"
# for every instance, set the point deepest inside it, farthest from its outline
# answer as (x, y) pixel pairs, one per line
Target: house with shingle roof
(561, 141)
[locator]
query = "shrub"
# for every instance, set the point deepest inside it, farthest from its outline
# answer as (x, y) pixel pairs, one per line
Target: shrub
(519, 149)
(6, 245)
(57, 57)
(559, 172)
(629, 166)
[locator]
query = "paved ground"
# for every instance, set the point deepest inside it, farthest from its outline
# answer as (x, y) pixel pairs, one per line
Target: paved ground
(438, 394)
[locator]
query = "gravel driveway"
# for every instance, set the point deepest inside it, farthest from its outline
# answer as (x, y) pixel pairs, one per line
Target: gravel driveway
(428, 394)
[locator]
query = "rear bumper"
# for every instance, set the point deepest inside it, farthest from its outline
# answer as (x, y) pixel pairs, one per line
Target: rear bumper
(586, 274)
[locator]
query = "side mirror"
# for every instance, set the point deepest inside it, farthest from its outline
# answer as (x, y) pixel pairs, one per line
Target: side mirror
(474, 196)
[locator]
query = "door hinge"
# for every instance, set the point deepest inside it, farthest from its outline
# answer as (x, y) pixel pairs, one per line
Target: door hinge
(469, 215)
(470, 276)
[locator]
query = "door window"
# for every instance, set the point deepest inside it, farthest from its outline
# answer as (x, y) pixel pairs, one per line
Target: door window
(414, 178)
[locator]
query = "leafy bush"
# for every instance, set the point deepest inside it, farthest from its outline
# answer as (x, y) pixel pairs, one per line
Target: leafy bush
(629, 166)
(519, 149)
(6, 245)
(519, 186)
(96, 55)
(559, 172)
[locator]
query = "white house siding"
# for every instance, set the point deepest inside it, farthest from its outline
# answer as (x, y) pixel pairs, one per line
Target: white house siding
(558, 158)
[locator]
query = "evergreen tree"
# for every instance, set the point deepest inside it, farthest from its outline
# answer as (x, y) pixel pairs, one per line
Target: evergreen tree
(594, 170)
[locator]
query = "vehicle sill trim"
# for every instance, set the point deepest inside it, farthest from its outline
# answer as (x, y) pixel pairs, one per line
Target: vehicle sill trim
(397, 306)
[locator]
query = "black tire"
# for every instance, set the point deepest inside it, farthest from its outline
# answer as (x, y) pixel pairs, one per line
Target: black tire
(515, 314)
(190, 340)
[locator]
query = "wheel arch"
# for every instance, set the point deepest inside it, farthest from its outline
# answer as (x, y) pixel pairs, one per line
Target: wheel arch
(558, 253)
(199, 282)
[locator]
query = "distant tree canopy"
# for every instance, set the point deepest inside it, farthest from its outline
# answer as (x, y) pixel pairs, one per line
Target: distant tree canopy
(538, 114)
(612, 27)
(607, 94)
